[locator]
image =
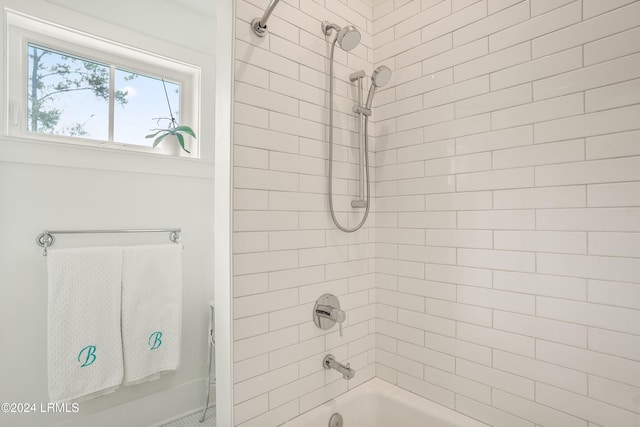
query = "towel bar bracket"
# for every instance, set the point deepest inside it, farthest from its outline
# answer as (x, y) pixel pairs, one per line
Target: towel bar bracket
(46, 239)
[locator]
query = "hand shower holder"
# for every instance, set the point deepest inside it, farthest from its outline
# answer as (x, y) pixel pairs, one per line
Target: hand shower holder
(361, 110)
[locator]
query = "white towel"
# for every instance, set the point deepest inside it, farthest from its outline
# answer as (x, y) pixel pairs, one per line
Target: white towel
(151, 310)
(84, 339)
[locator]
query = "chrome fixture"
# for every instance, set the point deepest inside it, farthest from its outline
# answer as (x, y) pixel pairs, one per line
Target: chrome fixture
(348, 37)
(336, 420)
(352, 37)
(330, 362)
(327, 313)
(360, 202)
(259, 25)
(379, 78)
(211, 380)
(46, 239)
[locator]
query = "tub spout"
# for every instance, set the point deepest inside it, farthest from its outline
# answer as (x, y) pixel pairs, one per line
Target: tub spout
(330, 362)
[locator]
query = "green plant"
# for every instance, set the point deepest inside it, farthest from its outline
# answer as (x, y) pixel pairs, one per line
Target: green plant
(173, 128)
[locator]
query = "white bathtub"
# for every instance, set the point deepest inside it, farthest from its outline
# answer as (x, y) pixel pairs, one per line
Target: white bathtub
(377, 403)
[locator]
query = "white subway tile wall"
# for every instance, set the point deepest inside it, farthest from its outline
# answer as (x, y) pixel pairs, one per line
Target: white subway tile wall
(287, 253)
(531, 281)
(499, 271)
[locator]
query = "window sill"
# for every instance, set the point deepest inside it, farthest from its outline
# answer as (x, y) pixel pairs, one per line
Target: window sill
(32, 151)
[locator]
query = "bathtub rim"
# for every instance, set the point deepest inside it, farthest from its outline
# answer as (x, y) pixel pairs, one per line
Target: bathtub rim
(379, 387)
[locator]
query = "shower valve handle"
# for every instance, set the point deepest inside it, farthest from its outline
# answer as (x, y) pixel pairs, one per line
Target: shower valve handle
(339, 316)
(327, 312)
(332, 313)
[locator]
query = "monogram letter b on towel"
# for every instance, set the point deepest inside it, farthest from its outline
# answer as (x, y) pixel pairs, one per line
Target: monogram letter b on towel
(114, 317)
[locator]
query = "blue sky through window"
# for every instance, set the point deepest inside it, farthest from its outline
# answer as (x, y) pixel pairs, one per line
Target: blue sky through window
(146, 102)
(71, 98)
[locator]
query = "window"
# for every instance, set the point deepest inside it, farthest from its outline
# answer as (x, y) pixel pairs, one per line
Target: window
(74, 88)
(72, 96)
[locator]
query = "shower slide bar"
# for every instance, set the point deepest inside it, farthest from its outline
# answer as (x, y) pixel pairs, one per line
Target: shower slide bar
(46, 240)
(259, 25)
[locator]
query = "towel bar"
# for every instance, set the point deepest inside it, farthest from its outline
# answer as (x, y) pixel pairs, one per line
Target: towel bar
(46, 240)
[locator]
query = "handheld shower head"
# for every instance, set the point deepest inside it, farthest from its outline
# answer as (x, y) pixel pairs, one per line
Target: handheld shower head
(348, 37)
(379, 78)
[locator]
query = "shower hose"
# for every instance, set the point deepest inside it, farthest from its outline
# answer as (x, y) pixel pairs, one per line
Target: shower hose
(366, 155)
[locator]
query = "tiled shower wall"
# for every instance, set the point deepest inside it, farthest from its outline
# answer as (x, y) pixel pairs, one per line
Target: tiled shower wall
(287, 251)
(508, 218)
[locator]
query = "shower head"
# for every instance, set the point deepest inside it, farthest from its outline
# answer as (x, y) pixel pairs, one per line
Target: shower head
(348, 37)
(379, 78)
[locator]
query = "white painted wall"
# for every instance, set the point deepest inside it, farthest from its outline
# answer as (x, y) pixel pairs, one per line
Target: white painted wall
(46, 185)
(508, 174)
(222, 215)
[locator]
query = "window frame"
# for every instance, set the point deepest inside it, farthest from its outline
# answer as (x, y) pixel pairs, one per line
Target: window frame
(23, 29)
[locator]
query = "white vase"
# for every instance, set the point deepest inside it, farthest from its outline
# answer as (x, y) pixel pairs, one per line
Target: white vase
(171, 146)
